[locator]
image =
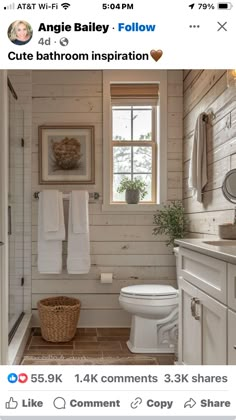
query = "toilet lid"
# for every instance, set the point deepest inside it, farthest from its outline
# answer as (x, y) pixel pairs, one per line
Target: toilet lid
(149, 290)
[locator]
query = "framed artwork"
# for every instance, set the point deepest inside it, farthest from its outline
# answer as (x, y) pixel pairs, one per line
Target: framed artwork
(66, 154)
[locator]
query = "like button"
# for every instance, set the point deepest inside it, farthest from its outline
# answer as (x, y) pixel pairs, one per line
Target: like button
(11, 404)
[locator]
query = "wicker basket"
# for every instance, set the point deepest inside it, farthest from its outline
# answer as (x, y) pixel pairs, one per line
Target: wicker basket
(58, 318)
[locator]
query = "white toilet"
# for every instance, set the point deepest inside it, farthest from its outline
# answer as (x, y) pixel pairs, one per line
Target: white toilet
(154, 310)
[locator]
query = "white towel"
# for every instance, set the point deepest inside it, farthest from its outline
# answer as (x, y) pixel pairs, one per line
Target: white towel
(50, 210)
(79, 211)
(52, 204)
(78, 256)
(50, 243)
(198, 162)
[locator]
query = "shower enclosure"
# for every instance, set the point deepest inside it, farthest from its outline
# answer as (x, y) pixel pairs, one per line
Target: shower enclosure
(15, 213)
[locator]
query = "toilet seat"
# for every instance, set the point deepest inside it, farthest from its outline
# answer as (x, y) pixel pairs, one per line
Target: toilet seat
(149, 291)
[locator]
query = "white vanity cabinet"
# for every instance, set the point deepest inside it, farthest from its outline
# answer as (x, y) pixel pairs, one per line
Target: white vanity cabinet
(232, 314)
(232, 287)
(203, 312)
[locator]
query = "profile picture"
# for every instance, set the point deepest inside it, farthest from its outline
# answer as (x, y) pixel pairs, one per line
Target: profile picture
(20, 32)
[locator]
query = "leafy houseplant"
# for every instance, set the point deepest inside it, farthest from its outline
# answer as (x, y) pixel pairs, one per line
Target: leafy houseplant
(171, 221)
(134, 189)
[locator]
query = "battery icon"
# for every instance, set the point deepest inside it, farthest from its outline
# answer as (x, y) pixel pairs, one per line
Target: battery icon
(225, 6)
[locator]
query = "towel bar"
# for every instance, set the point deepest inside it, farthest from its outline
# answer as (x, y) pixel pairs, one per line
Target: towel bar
(94, 195)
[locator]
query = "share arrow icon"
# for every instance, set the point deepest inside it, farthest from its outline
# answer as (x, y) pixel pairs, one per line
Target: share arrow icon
(191, 5)
(190, 403)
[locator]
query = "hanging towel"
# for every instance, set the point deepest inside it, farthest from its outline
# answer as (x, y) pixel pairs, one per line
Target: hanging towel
(78, 256)
(52, 204)
(50, 243)
(198, 162)
(79, 211)
(50, 210)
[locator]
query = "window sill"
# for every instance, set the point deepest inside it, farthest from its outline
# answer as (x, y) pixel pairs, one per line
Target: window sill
(130, 208)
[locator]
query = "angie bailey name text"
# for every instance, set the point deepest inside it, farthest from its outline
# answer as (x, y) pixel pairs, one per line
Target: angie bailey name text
(77, 27)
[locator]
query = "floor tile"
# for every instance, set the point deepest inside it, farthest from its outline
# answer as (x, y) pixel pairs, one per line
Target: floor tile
(103, 332)
(90, 346)
(165, 360)
(114, 338)
(85, 338)
(39, 341)
(102, 345)
(47, 350)
(86, 331)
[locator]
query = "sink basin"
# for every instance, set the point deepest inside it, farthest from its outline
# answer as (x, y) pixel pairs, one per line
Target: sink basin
(221, 243)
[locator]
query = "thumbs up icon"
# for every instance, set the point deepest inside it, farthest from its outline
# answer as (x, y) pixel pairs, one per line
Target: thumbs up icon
(11, 404)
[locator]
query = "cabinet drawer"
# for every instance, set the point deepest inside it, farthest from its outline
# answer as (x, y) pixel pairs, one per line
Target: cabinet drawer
(231, 338)
(232, 286)
(207, 273)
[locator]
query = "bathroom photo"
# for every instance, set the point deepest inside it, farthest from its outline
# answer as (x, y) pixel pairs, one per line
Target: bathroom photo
(118, 217)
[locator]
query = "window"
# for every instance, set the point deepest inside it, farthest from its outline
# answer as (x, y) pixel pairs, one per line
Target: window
(134, 137)
(143, 90)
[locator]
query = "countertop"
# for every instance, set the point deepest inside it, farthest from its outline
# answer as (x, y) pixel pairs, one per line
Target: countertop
(221, 252)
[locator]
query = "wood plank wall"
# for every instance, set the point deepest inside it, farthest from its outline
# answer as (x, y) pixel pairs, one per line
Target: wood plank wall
(122, 244)
(206, 90)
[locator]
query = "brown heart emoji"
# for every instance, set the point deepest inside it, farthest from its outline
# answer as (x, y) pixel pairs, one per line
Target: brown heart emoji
(156, 54)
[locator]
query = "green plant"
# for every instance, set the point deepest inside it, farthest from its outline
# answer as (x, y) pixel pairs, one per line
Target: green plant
(135, 184)
(171, 221)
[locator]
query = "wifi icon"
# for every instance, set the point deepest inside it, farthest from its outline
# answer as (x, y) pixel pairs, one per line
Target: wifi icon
(65, 5)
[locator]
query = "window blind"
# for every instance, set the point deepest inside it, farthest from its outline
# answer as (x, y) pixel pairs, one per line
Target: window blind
(134, 90)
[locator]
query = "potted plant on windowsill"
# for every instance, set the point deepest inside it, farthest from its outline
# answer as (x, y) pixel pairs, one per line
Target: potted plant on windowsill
(135, 190)
(171, 221)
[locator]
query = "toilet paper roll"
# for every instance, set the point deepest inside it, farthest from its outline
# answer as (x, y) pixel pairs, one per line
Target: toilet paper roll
(106, 277)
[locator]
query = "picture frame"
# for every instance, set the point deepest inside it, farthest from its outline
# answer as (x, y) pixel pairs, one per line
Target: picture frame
(66, 154)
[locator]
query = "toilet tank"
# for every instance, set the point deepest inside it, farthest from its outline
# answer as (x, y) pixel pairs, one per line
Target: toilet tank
(176, 252)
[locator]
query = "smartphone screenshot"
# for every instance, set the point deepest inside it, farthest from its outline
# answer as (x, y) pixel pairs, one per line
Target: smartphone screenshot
(117, 209)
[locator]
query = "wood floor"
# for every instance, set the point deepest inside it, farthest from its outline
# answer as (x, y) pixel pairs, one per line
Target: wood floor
(90, 346)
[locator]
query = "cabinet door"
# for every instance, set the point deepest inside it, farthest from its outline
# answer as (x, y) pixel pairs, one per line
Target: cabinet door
(189, 327)
(231, 338)
(232, 286)
(202, 327)
(213, 330)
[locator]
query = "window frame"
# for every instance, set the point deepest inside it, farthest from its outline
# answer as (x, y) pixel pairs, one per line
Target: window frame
(135, 143)
(132, 76)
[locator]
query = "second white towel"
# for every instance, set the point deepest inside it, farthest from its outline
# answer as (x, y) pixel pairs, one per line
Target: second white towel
(78, 257)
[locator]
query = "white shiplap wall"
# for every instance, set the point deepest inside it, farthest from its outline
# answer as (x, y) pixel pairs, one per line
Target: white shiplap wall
(206, 90)
(122, 244)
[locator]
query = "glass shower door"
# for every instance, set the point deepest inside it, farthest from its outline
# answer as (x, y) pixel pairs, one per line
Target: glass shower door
(15, 214)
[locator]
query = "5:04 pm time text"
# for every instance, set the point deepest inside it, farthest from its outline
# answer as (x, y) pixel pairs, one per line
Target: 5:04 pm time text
(115, 6)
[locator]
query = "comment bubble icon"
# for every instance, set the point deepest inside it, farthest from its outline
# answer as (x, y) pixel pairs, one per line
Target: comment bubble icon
(59, 403)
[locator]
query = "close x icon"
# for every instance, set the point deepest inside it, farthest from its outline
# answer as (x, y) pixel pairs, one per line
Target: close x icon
(222, 26)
